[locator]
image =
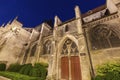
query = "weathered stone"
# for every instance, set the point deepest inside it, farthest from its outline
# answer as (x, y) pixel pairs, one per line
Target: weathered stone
(77, 45)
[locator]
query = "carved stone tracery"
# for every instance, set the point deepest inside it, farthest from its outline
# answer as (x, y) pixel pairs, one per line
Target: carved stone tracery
(47, 47)
(104, 36)
(69, 47)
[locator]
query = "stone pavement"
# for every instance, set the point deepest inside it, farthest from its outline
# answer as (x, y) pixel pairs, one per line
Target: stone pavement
(3, 78)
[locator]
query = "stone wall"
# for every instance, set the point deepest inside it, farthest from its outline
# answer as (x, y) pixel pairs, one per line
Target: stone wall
(104, 55)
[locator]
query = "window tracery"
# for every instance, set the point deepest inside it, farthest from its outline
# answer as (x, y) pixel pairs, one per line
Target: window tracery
(102, 36)
(33, 50)
(69, 47)
(47, 47)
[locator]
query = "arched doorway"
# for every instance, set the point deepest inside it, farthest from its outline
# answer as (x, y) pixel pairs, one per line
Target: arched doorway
(70, 61)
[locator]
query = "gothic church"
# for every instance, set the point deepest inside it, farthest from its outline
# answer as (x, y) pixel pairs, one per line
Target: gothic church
(73, 49)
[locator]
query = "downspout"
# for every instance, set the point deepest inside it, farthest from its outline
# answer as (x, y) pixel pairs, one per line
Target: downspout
(89, 55)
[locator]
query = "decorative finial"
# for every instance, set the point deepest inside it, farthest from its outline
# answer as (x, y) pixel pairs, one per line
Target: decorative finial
(3, 25)
(57, 21)
(77, 12)
(16, 18)
(9, 22)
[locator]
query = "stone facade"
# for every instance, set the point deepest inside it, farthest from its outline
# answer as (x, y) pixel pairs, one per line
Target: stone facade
(73, 49)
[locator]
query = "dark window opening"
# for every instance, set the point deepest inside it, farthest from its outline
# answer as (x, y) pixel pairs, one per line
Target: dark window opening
(33, 50)
(107, 12)
(47, 48)
(66, 28)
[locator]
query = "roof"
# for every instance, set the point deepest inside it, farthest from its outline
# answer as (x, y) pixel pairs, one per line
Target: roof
(87, 13)
(94, 10)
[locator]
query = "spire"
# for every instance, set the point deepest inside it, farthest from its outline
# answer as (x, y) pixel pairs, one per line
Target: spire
(16, 18)
(9, 22)
(57, 21)
(3, 25)
(77, 12)
(16, 23)
(111, 6)
(79, 19)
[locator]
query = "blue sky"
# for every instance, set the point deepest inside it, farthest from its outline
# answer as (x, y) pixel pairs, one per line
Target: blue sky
(33, 12)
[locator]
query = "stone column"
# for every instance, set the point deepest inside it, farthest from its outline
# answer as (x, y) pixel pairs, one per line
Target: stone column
(84, 60)
(52, 64)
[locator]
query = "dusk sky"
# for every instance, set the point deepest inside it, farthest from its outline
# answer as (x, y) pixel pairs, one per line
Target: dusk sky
(33, 12)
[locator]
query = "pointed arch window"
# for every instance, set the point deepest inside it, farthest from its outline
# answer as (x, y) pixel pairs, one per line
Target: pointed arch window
(69, 47)
(47, 47)
(33, 50)
(103, 36)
